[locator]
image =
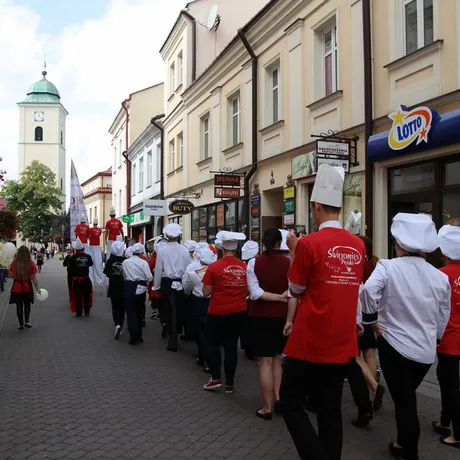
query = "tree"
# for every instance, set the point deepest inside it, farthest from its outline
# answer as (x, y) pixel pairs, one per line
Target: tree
(2, 173)
(36, 197)
(59, 221)
(9, 224)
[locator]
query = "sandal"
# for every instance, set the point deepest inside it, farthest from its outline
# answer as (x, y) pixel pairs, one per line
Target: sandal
(455, 445)
(442, 430)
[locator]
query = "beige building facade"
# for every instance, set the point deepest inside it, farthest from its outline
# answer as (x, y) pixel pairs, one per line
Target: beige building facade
(97, 194)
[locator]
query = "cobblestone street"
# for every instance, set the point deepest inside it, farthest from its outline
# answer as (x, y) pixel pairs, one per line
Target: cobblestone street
(68, 390)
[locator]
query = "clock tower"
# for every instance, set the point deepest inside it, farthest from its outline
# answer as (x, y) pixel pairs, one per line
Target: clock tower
(42, 131)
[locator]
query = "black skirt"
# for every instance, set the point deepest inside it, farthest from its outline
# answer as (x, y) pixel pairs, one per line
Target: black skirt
(367, 341)
(265, 336)
(22, 296)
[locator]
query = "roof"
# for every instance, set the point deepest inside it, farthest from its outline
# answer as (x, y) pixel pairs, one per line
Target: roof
(43, 92)
(106, 173)
(182, 13)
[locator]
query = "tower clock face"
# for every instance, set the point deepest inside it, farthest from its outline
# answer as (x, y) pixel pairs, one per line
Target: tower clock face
(39, 116)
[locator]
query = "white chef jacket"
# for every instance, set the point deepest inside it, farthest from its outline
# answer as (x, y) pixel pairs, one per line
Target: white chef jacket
(412, 299)
(137, 269)
(192, 279)
(172, 261)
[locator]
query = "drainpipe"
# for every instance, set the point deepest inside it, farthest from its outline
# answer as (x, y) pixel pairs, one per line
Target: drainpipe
(248, 177)
(368, 118)
(193, 21)
(128, 162)
(155, 123)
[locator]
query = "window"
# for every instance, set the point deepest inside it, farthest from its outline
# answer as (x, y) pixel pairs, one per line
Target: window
(95, 211)
(158, 164)
(418, 24)
(235, 120)
(119, 153)
(172, 155)
(141, 174)
(61, 184)
(180, 143)
(180, 61)
(62, 138)
(275, 76)
(90, 215)
(120, 211)
(149, 168)
(38, 134)
(205, 133)
(133, 179)
(172, 78)
(330, 60)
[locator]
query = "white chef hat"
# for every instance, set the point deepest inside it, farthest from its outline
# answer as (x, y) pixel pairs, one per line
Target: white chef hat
(354, 223)
(119, 238)
(207, 257)
(95, 221)
(284, 235)
(129, 252)
(73, 244)
(415, 232)
(117, 248)
(449, 241)
(328, 188)
(249, 250)
(190, 245)
(230, 239)
(199, 247)
(112, 211)
(138, 248)
(218, 243)
(79, 245)
(83, 219)
(172, 230)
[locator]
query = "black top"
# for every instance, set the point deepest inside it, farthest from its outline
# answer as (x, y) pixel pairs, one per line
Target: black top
(79, 264)
(113, 269)
(66, 263)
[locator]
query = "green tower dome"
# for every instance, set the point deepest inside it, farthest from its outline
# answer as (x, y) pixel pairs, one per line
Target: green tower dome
(42, 92)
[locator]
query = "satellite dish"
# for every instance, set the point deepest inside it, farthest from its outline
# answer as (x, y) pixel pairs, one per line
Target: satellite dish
(213, 18)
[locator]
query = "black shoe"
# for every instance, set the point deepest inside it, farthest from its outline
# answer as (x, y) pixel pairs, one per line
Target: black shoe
(164, 331)
(78, 316)
(267, 416)
(200, 362)
(21, 328)
(207, 369)
(183, 338)
(277, 407)
(139, 340)
(378, 398)
(397, 452)
(132, 342)
(442, 430)
(86, 313)
(249, 355)
(27, 325)
(173, 349)
(362, 420)
(143, 323)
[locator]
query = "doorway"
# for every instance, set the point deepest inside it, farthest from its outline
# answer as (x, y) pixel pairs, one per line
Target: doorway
(272, 209)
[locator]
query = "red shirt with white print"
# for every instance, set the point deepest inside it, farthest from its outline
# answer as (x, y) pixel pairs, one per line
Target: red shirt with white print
(113, 226)
(227, 277)
(450, 343)
(82, 232)
(328, 265)
(95, 236)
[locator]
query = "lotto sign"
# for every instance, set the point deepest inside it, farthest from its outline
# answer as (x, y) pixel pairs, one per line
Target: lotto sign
(409, 127)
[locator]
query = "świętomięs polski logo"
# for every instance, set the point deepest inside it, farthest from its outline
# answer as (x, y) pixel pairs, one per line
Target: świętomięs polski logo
(409, 126)
(345, 254)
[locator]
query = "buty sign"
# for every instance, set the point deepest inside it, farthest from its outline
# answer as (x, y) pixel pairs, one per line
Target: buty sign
(409, 127)
(181, 207)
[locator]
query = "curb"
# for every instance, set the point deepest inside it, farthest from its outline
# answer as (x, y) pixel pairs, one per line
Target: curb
(4, 305)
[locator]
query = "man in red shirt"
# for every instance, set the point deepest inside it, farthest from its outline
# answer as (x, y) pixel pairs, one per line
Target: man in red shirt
(82, 232)
(95, 272)
(113, 227)
(449, 348)
(225, 281)
(326, 272)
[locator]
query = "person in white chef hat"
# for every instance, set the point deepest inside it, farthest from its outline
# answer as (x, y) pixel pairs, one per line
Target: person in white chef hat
(225, 281)
(171, 264)
(354, 223)
(410, 299)
(249, 250)
(323, 336)
(191, 246)
(449, 348)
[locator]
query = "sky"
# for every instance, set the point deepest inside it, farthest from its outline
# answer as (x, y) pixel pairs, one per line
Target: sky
(97, 53)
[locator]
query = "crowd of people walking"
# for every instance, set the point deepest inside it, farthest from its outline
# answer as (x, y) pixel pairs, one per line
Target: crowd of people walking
(312, 310)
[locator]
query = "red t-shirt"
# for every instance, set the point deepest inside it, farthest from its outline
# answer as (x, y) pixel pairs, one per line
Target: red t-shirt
(113, 226)
(227, 277)
(23, 288)
(95, 236)
(82, 232)
(450, 343)
(329, 264)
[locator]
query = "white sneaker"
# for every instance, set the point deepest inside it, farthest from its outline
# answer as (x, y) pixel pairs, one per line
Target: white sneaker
(117, 332)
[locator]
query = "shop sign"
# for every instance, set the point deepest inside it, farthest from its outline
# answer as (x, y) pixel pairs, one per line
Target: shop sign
(337, 162)
(227, 180)
(155, 208)
(255, 222)
(255, 235)
(289, 192)
(331, 148)
(224, 192)
(289, 206)
(181, 207)
(220, 216)
(288, 220)
(255, 211)
(255, 200)
(303, 165)
(409, 126)
(128, 218)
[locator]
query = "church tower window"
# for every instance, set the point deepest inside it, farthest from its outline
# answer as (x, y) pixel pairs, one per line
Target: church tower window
(38, 134)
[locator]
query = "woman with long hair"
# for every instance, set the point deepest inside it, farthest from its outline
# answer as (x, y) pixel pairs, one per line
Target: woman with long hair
(268, 286)
(24, 273)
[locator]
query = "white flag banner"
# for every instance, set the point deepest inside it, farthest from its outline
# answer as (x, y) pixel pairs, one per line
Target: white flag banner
(77, 203)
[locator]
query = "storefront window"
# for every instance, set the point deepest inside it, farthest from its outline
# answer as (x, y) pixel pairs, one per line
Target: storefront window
(203, 224)
(195, 225)
(230, 216)
(412, 179)
(241, 219)
(211, 223)
(452, 173)
(450, 206)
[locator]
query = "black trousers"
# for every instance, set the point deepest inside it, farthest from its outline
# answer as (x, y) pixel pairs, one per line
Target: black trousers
(359, 388)
(23, 309)
(300, 378)
(135, 308)
(172, 311)
(82, 292)
(69, 284)
(198, 310)
(449, 382)
(118, 310)
(224, 331)
(403, 377)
